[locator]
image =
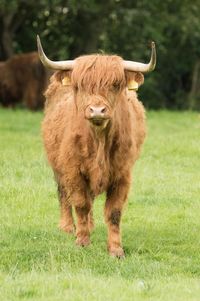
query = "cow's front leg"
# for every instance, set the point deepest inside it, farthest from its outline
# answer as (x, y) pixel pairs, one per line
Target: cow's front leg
(82, 204)
(82, 227)
(116, 197)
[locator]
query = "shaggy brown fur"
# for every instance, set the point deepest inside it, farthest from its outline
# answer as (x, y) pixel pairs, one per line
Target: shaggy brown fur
(23, 80)
(88, 159)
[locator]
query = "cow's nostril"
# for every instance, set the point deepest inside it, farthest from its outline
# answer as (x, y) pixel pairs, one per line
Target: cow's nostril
(103, 110)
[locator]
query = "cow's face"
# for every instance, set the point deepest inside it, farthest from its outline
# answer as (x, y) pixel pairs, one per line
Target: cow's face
(99, 82)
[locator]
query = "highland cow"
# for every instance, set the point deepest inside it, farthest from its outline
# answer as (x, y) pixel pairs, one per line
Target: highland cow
(23, 80)
(93, 130)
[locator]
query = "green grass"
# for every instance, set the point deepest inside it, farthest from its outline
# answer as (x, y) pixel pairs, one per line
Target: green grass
(161, 223)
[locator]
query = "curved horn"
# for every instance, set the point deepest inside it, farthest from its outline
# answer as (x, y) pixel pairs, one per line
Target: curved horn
(135, 66)
(56, 65)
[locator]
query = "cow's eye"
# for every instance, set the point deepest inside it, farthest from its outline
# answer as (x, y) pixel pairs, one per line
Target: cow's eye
(116, 87)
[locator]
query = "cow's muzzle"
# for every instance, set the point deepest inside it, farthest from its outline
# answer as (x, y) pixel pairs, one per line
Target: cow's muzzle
(98, 115)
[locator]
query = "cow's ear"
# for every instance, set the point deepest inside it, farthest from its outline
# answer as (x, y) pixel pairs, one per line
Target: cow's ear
(64, 77)
(134, 80)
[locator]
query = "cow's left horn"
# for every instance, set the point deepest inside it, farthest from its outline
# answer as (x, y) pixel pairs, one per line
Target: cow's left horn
(135, 66)
(56, 65)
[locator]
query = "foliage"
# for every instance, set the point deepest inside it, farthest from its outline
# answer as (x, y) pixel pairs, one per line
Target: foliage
(69, 28)
(160, 224)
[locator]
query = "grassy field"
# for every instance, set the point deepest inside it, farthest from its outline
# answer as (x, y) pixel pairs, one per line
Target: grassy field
(161, 223)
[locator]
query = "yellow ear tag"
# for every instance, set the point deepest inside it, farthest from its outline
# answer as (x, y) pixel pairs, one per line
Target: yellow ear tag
(133, 85)
(66, 81)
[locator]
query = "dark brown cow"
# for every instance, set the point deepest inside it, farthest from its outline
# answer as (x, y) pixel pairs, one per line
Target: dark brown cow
(93, 130)
(23, 79)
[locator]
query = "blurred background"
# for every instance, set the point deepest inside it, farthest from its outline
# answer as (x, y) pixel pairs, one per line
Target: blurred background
(125, 27)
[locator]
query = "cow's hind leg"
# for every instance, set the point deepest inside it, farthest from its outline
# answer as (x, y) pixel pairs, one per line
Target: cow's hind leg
(116, 197)
(66, 219)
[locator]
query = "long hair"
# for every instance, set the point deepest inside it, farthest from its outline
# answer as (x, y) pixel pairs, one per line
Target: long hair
(94, 73)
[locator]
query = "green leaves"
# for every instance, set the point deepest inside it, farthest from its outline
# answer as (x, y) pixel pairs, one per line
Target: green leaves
(125, 27)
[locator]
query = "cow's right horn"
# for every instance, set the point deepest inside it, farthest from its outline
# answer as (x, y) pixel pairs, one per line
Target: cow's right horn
(56, 65)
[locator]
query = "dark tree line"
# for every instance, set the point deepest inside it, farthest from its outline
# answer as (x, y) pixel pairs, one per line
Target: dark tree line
(125, 27)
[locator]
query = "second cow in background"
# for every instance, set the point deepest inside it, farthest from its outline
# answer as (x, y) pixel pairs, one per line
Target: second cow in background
(23, 80)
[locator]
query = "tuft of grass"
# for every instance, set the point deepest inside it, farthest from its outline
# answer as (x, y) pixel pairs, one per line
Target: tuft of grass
(160, 226)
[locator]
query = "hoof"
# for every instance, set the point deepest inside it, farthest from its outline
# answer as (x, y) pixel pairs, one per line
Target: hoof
(83, 241)
(117, 252)
(70, 229)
